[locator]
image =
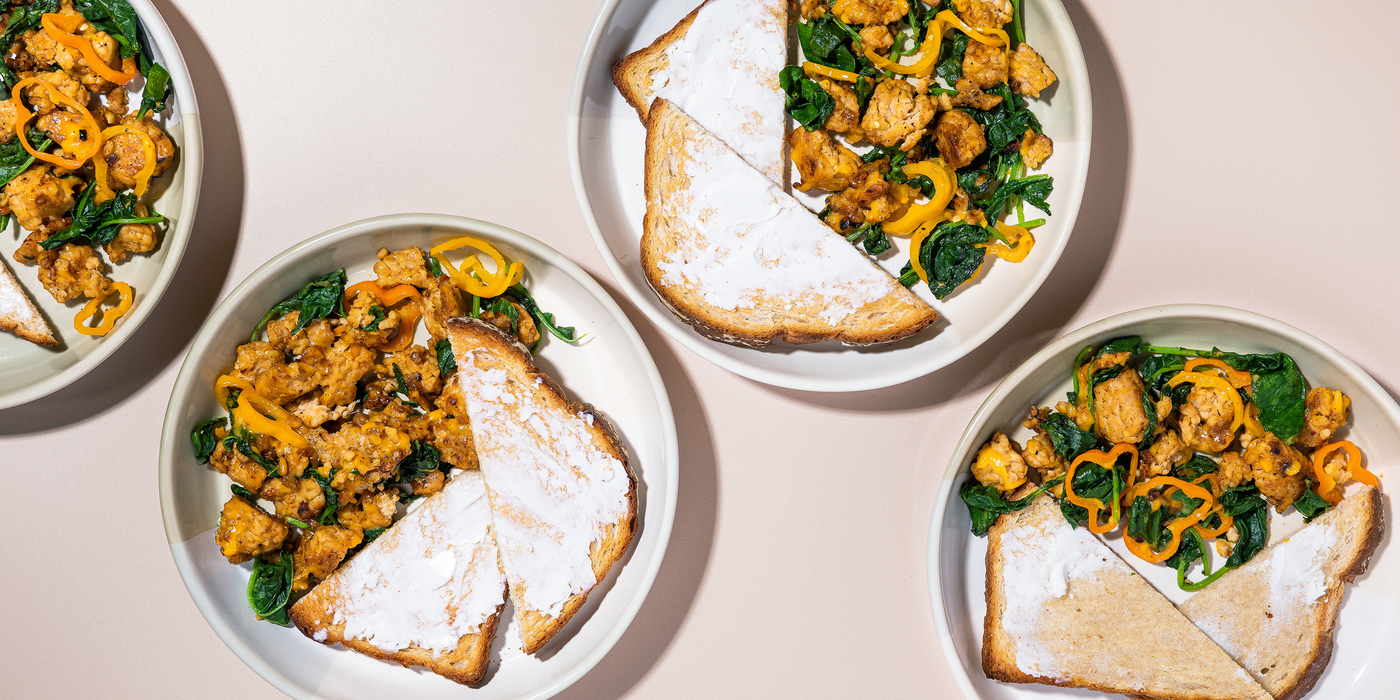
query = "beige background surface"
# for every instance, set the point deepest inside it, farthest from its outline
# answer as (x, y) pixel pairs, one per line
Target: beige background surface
(1244, 154)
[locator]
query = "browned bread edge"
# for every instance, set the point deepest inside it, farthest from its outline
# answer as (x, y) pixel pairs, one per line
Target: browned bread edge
(310, 615)
(659, 121)
(632, 75)
(15, 326)
(608, 549)
(1355, 567)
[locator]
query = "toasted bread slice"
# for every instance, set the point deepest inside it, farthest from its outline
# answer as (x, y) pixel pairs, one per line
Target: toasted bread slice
(720, 65)
(19, 315)
(1064, 610)
(428, 592)
(563, 500)
(1275, 614)
(743, 262)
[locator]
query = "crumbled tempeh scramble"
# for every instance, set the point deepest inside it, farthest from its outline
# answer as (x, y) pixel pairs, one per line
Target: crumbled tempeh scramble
(337, 417)
(77, 155)
(938, 93)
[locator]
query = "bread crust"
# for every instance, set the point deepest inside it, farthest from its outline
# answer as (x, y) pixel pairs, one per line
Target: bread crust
(998, 650)
(895, 317)
(632, 75)
(537, 628)
(36, 330)
(1365, 508)
(466, 664)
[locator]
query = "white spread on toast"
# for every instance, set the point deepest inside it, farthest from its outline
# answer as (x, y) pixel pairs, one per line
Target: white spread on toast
(1297, 580)
(724, 74)
(15, 305)
(554, 491)
(431, 579)
(755, 245)
(1039, 565)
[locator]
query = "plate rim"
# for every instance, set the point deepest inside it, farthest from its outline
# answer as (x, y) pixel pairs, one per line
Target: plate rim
(191, 167)
(1077, 70)
(977, 424)
(203, 340)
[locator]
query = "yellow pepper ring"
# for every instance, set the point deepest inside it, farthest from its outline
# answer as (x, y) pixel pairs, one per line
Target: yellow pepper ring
(23, 115)
(258, 414)
(109, 317)
(917, 242)
(1021, 239)
(1210, 381)
(143, 176)
(491, 284)
(928, 54)
(1238, 379)
(945, 186)
(979, 37)
(813, 70)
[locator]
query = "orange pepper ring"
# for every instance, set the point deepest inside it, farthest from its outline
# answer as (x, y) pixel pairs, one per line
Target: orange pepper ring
(403, 336)
(23, 115)
(65, 35)
(1327, 487)
(1094, 505)
(1140, 548)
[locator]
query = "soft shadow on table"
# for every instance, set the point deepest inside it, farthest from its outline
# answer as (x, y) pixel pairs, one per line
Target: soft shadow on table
(195, 288)
(692, 535)
(1075, 275)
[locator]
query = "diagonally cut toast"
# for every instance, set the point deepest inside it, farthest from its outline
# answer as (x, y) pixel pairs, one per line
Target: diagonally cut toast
(18, 314)
(743, 262)
(563, 500)
(720, 65)
(1064, 610)
(1275, 614)
(428, 592)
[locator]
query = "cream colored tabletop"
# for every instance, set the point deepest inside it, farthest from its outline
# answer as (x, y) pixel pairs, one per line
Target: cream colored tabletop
(1243, 154)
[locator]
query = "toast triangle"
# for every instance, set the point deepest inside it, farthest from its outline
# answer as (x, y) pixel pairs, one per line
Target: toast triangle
(563, 499)
(1275, 614)
(428, 592)
(1064, 610)
(720, 64)
(743, 262)
(19, 315)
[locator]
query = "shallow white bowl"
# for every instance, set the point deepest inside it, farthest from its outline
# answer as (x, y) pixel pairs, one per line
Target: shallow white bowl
(1362, 663)
(28, 371)
(606, 150)
(611, 369)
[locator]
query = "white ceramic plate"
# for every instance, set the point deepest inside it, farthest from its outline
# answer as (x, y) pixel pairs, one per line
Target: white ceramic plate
(1363, 661)
(28, 371)
(611, 369)
(606, 150)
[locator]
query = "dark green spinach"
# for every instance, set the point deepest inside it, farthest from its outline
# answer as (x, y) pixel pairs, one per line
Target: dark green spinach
(99, 224)
(1251, 514)
(332, 496)
(270, 588)
(1310, 504)
(985, 503)
(204, 439)
(950, 60)
(806, 101)
(422, 459)
(447, 363)
(542, 319)
(320, 298)
(823, 42)
(243, 493)
(950, 255)
(1066, 437)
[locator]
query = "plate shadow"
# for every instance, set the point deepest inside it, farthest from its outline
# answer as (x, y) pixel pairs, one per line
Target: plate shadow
(692, 534)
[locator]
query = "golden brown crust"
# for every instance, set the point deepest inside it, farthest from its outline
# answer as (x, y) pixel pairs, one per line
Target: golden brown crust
(40, 332)
(891, 318)
(537, 628)
(466, 664)
(1375, 512)
(632, 75)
